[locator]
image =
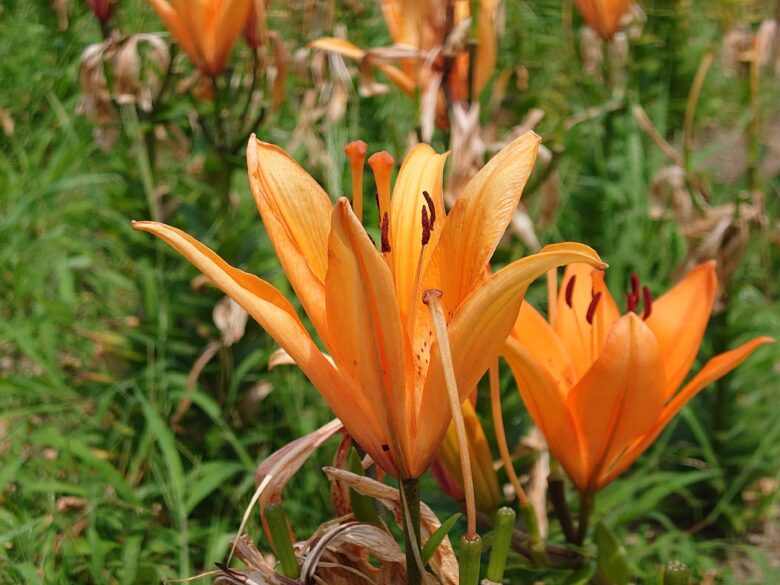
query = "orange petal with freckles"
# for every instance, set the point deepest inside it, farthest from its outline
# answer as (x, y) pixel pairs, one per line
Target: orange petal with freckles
(478, 220)
(620, 397)
(535, 334)
(547, 406)
(713, 370)
(275, 314)
(296, 212)
(368, 342)
(679, 319)
(480, 327)
(422, 170)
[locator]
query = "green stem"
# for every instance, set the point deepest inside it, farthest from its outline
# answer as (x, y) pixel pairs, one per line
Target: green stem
(557, 491)
(586, 509)
(410, 493)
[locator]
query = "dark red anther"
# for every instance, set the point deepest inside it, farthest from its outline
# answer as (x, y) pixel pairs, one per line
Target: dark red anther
(594, 302)
(635, 285)
(631, 302)
(570, 289)
(647, 299)
(385, 447)
(426, 226)
(385, 233)
(431, 208)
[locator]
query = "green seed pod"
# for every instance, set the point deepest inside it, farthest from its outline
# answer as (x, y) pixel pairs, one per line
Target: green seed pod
(470, 556)
(502, 538)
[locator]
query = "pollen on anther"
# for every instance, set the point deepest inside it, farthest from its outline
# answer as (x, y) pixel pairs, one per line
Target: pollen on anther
(385, 233)
(431, 207)
(647, 299)
(594, 302)
(426, 226)
(570, 290)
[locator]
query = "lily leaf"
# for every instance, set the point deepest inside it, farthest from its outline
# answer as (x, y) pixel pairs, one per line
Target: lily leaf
(435, 540)
(611, 557)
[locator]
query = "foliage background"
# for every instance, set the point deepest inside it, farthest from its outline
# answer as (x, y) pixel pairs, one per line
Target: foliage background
(99, 326)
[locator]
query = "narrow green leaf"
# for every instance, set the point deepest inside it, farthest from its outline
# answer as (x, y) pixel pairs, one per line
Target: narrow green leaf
(429, 549)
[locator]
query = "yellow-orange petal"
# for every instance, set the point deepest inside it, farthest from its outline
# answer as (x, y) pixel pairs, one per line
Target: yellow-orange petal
(275, 314)
(620, 397)
(679, 319)
(535, 334)
(486, 489)
(296, 213)
(367, 339)
(422, 170)
(547, 406)
(478, 220)
(714, 369)
(583, 340)
(480, 327)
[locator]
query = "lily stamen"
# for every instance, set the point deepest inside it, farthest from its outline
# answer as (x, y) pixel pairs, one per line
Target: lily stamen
(594, 302)
(425, 238)
(431, 207)
(386, 234)
(356, 152)
(381, 164)
(647, 299)
(570, 290)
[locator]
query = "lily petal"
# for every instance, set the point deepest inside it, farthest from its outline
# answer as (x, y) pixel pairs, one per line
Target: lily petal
(276, 315)
(583, 340)
(368, 342)
(679, 319)
(180, 31)
(713, 370)
(486, 45)
(478, 220)
(535, 334)
(296, 212)
(547, 407)
(480, 327)
(620, 397)
(422, 170)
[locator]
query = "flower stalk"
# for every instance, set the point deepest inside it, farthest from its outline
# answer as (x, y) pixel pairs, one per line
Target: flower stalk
(410, 500)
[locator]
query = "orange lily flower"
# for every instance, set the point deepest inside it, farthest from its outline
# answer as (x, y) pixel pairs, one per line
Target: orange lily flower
(383, 377)
(603, 16)
(207, 30)
(601, 386)
(425, 26)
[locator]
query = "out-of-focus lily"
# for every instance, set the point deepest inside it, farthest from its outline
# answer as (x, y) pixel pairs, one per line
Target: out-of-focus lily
(383, 377)
(486, 488)
(603, 16)
(438, 31)
(102, 9)
(207, 30)
(602, 386)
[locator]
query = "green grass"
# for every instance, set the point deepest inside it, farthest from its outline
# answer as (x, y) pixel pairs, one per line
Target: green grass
(99, 325)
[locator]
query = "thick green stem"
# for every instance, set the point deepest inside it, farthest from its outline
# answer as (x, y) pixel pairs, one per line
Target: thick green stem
(557, 491)
(586, 509)
(410, 492)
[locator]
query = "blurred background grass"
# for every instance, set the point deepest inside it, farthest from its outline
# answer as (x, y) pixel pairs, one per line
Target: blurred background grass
(100, 326)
